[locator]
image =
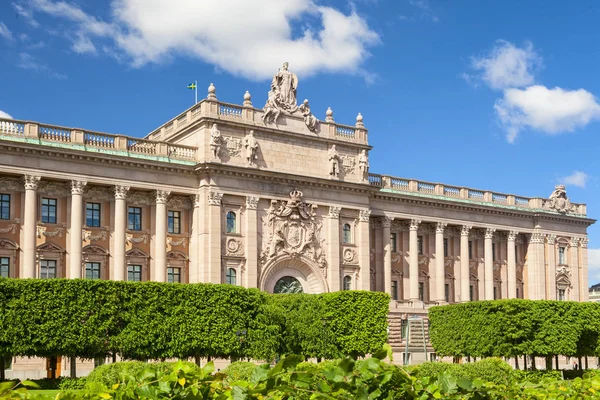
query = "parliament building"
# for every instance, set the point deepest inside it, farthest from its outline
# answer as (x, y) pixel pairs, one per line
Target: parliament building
(276, 199)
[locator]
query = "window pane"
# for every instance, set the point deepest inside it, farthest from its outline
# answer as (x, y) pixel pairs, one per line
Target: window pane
(231, 228)
(4, 267)
(92, 270)
(447, 292)
(174, 275)
(347, 234)
(4, 206)
(420, 245)
(421, 291)
(394, 290)
(134, 273)
(347, 283)
(470, 250)
(47, 269)
(174, 218)
(393, 238)
(445, 247)
(230, 278)
(49, 211)
(92, 214)
(134, 220)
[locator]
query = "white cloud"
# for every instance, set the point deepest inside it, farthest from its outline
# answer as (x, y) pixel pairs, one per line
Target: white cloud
(594, 266)
(24, 12)
(551, 111)
(5, 115)
(507, 66)
(5, 32)
(246, 38)
(29, 62)
(577, 178)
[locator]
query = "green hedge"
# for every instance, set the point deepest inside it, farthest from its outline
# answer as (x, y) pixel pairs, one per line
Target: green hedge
(149, 320)
(509, 328)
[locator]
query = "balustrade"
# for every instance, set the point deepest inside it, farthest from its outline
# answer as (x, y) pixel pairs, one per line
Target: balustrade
(344, 131)
(11, 127)
(141, 146)
(99, 140)
(181, 152)
(47, 132)
(230, 111)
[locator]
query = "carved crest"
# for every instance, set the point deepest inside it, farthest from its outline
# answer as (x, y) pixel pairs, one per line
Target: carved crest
(559, 201)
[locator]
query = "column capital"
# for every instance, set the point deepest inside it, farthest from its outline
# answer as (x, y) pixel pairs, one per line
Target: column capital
(364, 215)
(77, 187)
(334, 212)
(512, 236)
(537, 237)
(252, 202)
(583, 242)
(195, 198)
(551, 239)
(489, 233)
(440, 227)
(121, 192)
(214, 198)
(573, 242)
(386, 222)
(465, 230)
(31, 182)
(414, 224)
(162, 196)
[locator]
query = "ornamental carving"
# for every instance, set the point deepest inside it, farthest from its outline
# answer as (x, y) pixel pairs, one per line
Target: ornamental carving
(31, 182)
(77, 187)
(54, 189)
(121, 192)
(364, 215)
(42, 230)
(140, 198)
(251, 202)
(12, 228)
(172, 242)
(234, 247)
(140, 239)
(551, 239)
(10, 185)
(414, 224)
(489, 233)
(180, 202)
(88, 237)
(512, 236)
(334, 212)
(348, 164)
(584, 242)
(214, 198)
(97, 193)
(349, 256)
(233, 146)
(537, 237)
(440, 227)
(162, 196)
(558, 201)
(449, 261)
(563, 270)
(290, 227)
(386, 222)
(423, 260)
(465, 229)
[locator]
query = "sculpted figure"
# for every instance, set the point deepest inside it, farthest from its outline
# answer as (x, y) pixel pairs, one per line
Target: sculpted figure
(284, 85)
(250, 144)
(558, 200)
(215, 141)
(309, 119)
(334, 162)
(363, 163)
(270, 110)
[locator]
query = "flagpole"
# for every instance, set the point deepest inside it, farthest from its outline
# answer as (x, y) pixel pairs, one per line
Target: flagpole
(196, 92)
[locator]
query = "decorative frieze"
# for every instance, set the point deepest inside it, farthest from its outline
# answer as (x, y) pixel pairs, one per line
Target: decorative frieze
(97, 193)
(176, 242)
(180, 202)
(43, 230)
(10, 184)
(88, 237)
(12, 228)
(139, 239)
(139, 198)
(54, 189)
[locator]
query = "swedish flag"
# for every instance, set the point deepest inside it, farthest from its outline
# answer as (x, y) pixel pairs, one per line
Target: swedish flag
(192, 86)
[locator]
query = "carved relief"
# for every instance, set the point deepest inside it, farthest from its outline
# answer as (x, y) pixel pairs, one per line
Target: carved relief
(180, 202)
(172, 242)
(349, 256)
(42, 230)
(251, 202)
(10, 184)
(121, 192)
(364, 215)
(77, 187)
(140, 198)
(140, 239)
(290, 227)
(233, 247)
(348, 164)
(12, 228)
(54, 189)
(559, 201)
(233, 146)
(88, 237)
(97, 193)
(31, 182)
(214, 198)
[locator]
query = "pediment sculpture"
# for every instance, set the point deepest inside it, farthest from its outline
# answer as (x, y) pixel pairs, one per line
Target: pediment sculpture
(559, 201)
(291, 228)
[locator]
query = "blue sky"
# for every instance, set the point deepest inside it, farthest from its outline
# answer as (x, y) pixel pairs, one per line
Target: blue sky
(486, 94)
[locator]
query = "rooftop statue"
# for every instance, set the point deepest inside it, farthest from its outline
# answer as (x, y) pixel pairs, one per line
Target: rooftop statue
(559, 201)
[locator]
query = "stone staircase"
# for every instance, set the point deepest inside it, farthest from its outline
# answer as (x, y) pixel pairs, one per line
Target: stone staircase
(418, 338)
(395, 333)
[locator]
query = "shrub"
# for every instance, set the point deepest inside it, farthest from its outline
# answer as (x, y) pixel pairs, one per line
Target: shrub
(488, 370)
(109, 374)
(239, 370)
(536, 376)
(72, 383)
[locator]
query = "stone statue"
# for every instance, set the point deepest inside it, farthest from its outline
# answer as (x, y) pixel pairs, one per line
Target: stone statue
(559, 201)
(310, 120)
(334, 162)
(215, 141)
(251, 145)
(284, 85)
(363, 164)
(270, 110)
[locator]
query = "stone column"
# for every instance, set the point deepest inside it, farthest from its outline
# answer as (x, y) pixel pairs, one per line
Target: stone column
(333, 248)
(29, 226)
(251, 236)
(584, 293)
(488, 274)
(440, 273)
(386, 224)
(536, 269)
(160, 252)
(119, 235)
(413, 251)
(575, 271)
(364, 249)
(76, 228)
(512, 265)
(551, 271)
(465, 271)
(214, 237)
(195, 260)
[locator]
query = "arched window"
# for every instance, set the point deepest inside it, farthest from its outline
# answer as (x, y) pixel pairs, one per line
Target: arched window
(230, 278)
(231, 222)
(347, 236)
(347, 282)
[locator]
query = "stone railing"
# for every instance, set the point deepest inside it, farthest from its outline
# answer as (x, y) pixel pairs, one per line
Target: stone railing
(483, 196)
(253, 116)
(96, 141)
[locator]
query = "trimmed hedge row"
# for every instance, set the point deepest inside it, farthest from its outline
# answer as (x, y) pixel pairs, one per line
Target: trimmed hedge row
(509, 328)
(149, 320)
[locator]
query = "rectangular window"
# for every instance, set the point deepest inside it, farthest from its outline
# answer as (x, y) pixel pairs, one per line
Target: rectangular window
(4, 267)
(421, 291)
(134, 220)
(470, 249)
(394, 290)
(174, 275)
(134, 273)
(472, 293)
(174, 222)
(561, 294)
(445, 247)
(493, 251)
(92, 214)
(403, 329)
(561, 255)
(518, 295)
(516, 253)
(420, 245)
(495, 293)
(393, 239)
(447, 292)
(92, 270)
(47, 269)
(48, 211)
(4, 206)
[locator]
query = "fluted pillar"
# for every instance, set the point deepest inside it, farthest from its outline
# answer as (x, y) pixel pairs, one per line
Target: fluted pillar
(118, 273)
(440, 273)
(488, 274)
(413, 261)
(584, 293)
(512, 265)
(251, 236)
(465, 273)
(536, 269)
(333, 248)
(551, 269)
(575, 270)
(195, 260)
(364, 249)
(214, 238)
(160, 251)
(386, 224)
(76, 231)
(29, 226)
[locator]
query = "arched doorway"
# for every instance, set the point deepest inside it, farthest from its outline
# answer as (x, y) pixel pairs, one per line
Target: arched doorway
(293, 275)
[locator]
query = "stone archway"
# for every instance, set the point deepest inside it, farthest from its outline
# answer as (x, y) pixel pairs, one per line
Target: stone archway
(304, 270)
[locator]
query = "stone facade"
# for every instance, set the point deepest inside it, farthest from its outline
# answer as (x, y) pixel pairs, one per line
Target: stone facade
(274, 199)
